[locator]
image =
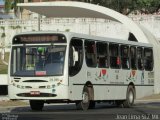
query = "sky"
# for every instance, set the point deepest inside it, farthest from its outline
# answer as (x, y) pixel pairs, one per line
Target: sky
(1, 2)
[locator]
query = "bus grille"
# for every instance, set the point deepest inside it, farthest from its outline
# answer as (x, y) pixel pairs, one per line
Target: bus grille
(35, 81)
(40, 95)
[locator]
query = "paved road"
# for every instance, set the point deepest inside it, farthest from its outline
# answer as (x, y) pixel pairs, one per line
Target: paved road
(141, 111)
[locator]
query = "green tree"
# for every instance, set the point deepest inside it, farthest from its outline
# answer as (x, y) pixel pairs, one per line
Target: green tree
(15, 7)
(8, 5)
(127, 6)
(148, 6)
(12, 4)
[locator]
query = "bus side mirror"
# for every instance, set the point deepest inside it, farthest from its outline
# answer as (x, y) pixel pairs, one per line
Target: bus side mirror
(75, 56)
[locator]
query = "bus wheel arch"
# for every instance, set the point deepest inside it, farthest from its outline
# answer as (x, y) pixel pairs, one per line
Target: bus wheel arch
(91, 89)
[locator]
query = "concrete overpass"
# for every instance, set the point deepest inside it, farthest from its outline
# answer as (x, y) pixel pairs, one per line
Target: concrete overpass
(79, 9)
(85, 10)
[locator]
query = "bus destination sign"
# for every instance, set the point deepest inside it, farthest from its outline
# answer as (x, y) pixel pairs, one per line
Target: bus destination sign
(45, 38)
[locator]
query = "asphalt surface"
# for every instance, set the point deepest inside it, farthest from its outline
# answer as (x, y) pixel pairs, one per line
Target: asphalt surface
(140, 111)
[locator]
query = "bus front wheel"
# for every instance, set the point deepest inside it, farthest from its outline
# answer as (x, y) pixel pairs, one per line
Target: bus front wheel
(85, 102)
(36, 105)
(129, 97)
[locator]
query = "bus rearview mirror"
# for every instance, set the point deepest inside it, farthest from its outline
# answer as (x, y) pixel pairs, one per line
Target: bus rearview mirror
(75, 56)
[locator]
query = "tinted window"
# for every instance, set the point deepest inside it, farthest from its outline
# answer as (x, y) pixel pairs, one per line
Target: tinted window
(125, 57)
(148, 59)
(140, 58)
(37, 60)
(90, 53)
(76, 45)
(102, 54)
(133, 57)
(114, 56)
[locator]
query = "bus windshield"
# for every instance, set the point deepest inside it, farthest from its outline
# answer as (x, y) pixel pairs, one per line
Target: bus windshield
(37, 60)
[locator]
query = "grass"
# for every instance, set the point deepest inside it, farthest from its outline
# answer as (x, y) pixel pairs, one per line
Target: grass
(3, 67)
(12, 103)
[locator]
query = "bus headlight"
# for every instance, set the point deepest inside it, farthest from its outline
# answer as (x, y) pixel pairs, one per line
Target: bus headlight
(48, 86)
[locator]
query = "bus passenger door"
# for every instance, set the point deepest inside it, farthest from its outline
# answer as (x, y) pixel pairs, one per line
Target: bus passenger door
(75, 65)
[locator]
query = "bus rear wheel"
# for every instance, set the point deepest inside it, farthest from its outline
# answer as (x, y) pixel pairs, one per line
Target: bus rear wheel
(36, 105)
(85, 102)
(129, 97)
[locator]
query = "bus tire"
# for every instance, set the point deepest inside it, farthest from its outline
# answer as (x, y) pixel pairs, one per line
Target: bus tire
(85, 102)
(36, 105)
(129, 97)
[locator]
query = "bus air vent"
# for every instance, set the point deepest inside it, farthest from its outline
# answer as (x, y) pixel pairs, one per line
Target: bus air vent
(40, 95)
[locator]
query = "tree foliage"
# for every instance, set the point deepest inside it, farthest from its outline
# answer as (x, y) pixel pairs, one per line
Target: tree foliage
(149, 6)
(12, 4)
(127, 6)
(8, 5)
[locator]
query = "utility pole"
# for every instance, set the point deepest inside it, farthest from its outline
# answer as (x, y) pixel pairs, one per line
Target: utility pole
(39, 20)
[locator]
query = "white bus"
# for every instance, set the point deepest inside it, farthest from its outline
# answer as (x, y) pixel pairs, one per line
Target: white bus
(49, 67)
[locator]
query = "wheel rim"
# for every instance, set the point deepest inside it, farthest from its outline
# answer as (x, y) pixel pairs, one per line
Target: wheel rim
(131, 97)
(85, 97)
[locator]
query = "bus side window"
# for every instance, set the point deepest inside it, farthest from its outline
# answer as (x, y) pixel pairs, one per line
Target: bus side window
(102, 54)
(140, 58)
(90, 53)
(133, 58)
(148, 59)
(75, 45)
(114, 56)
(125, 57)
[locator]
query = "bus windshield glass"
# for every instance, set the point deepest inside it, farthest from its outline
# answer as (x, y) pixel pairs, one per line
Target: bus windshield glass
(37, 60)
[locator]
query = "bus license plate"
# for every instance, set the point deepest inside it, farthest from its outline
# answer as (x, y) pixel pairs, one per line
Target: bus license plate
(34, 93)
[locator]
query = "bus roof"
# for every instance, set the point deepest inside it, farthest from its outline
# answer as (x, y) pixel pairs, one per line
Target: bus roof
(70, 35)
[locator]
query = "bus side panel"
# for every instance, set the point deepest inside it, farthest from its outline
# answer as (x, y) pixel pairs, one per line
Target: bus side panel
(144, 85)
(110, 92)
(142, 91)
(76, 85)
(106, 87)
